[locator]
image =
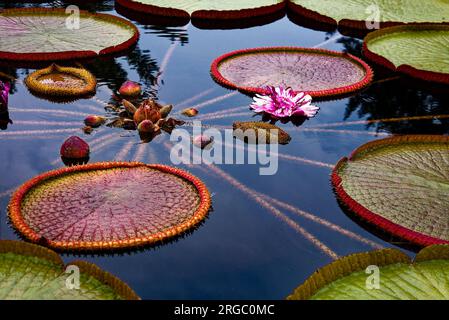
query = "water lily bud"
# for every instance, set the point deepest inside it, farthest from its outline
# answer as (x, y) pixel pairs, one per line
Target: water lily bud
(147, 111)
(94, 121)
(190, 112)
(146, 126)
(75, 148)
(165, 110)
(202, 141)
(130, 89)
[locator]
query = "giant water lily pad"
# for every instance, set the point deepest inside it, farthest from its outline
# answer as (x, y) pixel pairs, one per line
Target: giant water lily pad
(30, 272)
(111, 205)
(418, 51)
(427, 278)
(39, 34)
(399, 184)
(320, 73)
(356, 13)
(205, 9)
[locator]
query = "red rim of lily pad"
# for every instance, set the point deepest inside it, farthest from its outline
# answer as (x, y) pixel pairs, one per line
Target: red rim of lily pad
(375, 218)
(201, 14)
(68, 55)
(328, 93)
(345, 24)
(406, 69)
(18, 220)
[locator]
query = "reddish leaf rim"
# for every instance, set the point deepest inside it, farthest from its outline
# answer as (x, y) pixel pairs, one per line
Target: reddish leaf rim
(18, 221)
(344, 23)
(406, 69)
(202, 14)
(28, 249)
(372, 217)
(69, 55)
(335, 92)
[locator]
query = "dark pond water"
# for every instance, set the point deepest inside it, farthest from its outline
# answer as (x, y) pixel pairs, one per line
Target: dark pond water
(243, 250)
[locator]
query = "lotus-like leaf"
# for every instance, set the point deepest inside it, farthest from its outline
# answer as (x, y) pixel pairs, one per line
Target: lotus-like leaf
(420, 51)
(205, 9)
(353, 277)
(40, 34)
(30, 272)
(320, 73)
(399, 184)
(107, 206)
(361, 14)
(61, 82)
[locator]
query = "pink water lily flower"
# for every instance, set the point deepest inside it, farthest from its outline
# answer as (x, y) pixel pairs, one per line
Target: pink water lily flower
(284, 102)
(4, 93)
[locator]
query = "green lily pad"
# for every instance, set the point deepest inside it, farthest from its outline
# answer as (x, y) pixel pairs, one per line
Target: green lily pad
(29, 272)
(40, 34)
(353, 277)
(355, 13)
(418, 51)
(208, 9)
(399, 184)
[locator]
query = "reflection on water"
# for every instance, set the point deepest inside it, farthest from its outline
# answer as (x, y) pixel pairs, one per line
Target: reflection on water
(262, 238)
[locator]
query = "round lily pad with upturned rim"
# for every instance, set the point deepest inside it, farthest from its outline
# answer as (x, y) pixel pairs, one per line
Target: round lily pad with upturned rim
(108, 206)
(61, 82)
(400, 185)
(41, 34)
(353, 277)
(318, 72)
(31, 272)
(419, 51)
(355, 14)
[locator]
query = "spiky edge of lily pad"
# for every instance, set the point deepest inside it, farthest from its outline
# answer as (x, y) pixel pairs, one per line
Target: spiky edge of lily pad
(28, 249)
(372, 217)
(360, 261)
(18, 221)
(68, 55)
(330, 93)
(34, 85)
(344, 23)
(202, 14)
(406, 69)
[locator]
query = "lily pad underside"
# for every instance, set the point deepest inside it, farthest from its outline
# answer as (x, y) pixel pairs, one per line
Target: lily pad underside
(364, 14)
(31, 272)
(108, 206)
(320, 73)
(353, 277)
(399, 184)
(421, 52)
(40, 34)
(205, 9)
(61, 82)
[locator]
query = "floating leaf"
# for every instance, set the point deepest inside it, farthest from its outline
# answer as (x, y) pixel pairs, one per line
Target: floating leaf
(61, 82)
(360, 13)
(250, 132)
(427, 278)
(40, 34)
(318, 72)
(31, 272)
(418, 51)
(399, 184)
(110, 205)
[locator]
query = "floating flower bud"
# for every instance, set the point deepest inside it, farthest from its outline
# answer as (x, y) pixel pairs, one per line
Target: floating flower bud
(148, 110)
(4, 93)
(129, 107)
(130, 89)
(165, 110)
(75, 151)
(202, 141)
(146, 126)
(94, 121)
(190, 112)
